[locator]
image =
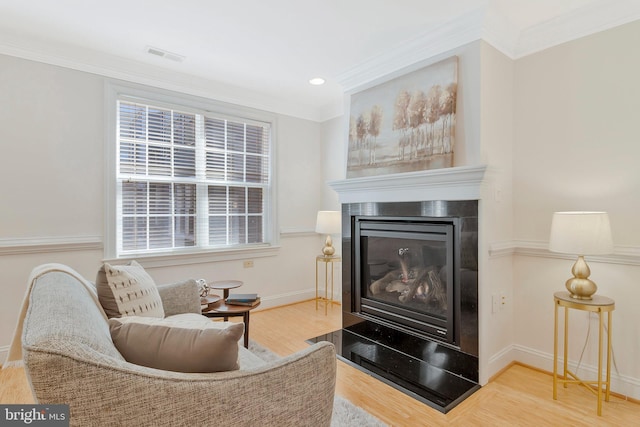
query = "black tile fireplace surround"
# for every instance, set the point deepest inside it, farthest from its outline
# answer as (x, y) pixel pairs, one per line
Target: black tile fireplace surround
(435, 358)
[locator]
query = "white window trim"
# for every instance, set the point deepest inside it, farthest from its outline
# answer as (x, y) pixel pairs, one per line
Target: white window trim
(114, 90)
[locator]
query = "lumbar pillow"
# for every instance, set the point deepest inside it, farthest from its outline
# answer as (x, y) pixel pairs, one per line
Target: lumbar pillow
(183, 343)
(127, 290)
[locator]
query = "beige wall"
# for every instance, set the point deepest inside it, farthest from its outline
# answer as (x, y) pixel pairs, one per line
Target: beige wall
(577, 114)
(496, 115)
(51, 134)
(577, 111)
(52, 166)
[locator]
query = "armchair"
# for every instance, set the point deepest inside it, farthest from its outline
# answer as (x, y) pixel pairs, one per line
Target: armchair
(70, 358)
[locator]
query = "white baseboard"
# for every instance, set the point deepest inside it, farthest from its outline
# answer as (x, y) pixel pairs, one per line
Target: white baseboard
(286, 298)
(498, 362)
(4, 351)
(620, 384)
(290, 298)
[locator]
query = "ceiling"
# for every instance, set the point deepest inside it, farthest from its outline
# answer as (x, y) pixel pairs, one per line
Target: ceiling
(261, 53)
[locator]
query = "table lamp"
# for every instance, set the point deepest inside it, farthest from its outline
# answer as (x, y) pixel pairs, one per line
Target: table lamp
(328, 222)
(581, 233)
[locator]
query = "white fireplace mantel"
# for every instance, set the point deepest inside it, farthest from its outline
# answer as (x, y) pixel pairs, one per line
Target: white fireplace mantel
(457, 183)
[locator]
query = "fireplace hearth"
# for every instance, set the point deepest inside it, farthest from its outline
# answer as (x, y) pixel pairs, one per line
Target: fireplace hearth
(410, 297)
(432, 373)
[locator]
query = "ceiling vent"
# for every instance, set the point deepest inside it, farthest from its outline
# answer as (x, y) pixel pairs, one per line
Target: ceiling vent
(164, 54)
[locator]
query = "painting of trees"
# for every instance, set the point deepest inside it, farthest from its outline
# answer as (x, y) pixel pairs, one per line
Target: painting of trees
(401, 120)
(375, 121)
(419, 131)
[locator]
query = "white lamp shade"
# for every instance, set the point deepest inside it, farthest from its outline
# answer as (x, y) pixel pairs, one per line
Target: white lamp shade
(328, 222)
(581, 233)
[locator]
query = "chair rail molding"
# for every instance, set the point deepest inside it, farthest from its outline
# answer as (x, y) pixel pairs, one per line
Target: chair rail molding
(627, 255)
(42, 244)
(297, 232)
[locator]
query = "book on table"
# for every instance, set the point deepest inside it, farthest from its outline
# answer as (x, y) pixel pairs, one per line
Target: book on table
(243, 299)
(244, 303)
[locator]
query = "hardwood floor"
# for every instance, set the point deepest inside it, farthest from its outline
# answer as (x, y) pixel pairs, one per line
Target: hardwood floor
(520, 396)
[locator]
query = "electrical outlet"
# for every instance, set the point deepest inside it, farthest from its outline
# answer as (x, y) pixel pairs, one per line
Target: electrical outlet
(247, 263)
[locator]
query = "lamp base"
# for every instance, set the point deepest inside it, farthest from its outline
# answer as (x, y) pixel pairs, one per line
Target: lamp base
(579, 286)
(328, 249)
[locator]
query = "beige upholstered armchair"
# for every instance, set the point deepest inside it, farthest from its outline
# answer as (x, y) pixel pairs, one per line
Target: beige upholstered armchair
(70, 358)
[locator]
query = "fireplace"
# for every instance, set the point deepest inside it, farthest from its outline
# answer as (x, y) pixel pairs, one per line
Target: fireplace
(410, 296)
(403, 273)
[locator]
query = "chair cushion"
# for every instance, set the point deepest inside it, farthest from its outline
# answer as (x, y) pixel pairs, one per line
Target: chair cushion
(127, 290)
(183, 343)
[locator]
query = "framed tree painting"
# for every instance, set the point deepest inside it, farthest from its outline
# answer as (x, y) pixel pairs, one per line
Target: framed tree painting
(405, 124)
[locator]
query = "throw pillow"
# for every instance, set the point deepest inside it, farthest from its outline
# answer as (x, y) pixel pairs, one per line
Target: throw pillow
(182, 343)
(127, 290)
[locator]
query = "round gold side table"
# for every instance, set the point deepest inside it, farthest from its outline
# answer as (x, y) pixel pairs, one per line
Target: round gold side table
(599, 304)
(327, 260)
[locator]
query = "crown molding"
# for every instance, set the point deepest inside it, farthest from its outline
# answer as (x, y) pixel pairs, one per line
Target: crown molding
(112, 66)
(490, 25)
(500, 33)
(484, 23)
(589, 19)
(431, 43)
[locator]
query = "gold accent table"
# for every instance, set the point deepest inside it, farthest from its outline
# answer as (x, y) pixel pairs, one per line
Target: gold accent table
(327, 260)
(599, 304)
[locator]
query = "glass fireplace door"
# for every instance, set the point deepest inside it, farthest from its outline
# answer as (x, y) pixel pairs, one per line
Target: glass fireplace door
(406, 273)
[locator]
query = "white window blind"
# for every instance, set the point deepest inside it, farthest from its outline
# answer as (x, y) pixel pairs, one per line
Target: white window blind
(189, 179)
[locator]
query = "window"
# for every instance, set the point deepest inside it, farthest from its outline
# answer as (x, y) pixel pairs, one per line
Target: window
(189, 180)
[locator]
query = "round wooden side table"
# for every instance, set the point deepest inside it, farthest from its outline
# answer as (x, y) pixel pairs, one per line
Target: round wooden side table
(221, 309)
(208, 301)
(225, 286)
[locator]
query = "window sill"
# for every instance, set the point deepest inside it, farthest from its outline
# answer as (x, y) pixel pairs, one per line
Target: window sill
(173, 259)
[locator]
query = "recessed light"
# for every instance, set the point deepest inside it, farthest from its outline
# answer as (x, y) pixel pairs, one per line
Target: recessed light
(317, 81)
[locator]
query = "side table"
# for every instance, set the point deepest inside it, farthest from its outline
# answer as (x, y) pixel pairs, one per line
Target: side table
(224, 310)
(327, 260)
(224, 286)
(599, 304)
(207, 302)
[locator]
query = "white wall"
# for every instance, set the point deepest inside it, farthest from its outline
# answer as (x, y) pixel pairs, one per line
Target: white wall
(334, 166)
(496, 114)
(51, 135)
(52, 168)
(334, 159)
(577, 148)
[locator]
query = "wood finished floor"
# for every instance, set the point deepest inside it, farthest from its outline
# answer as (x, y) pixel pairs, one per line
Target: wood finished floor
(520, 396)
